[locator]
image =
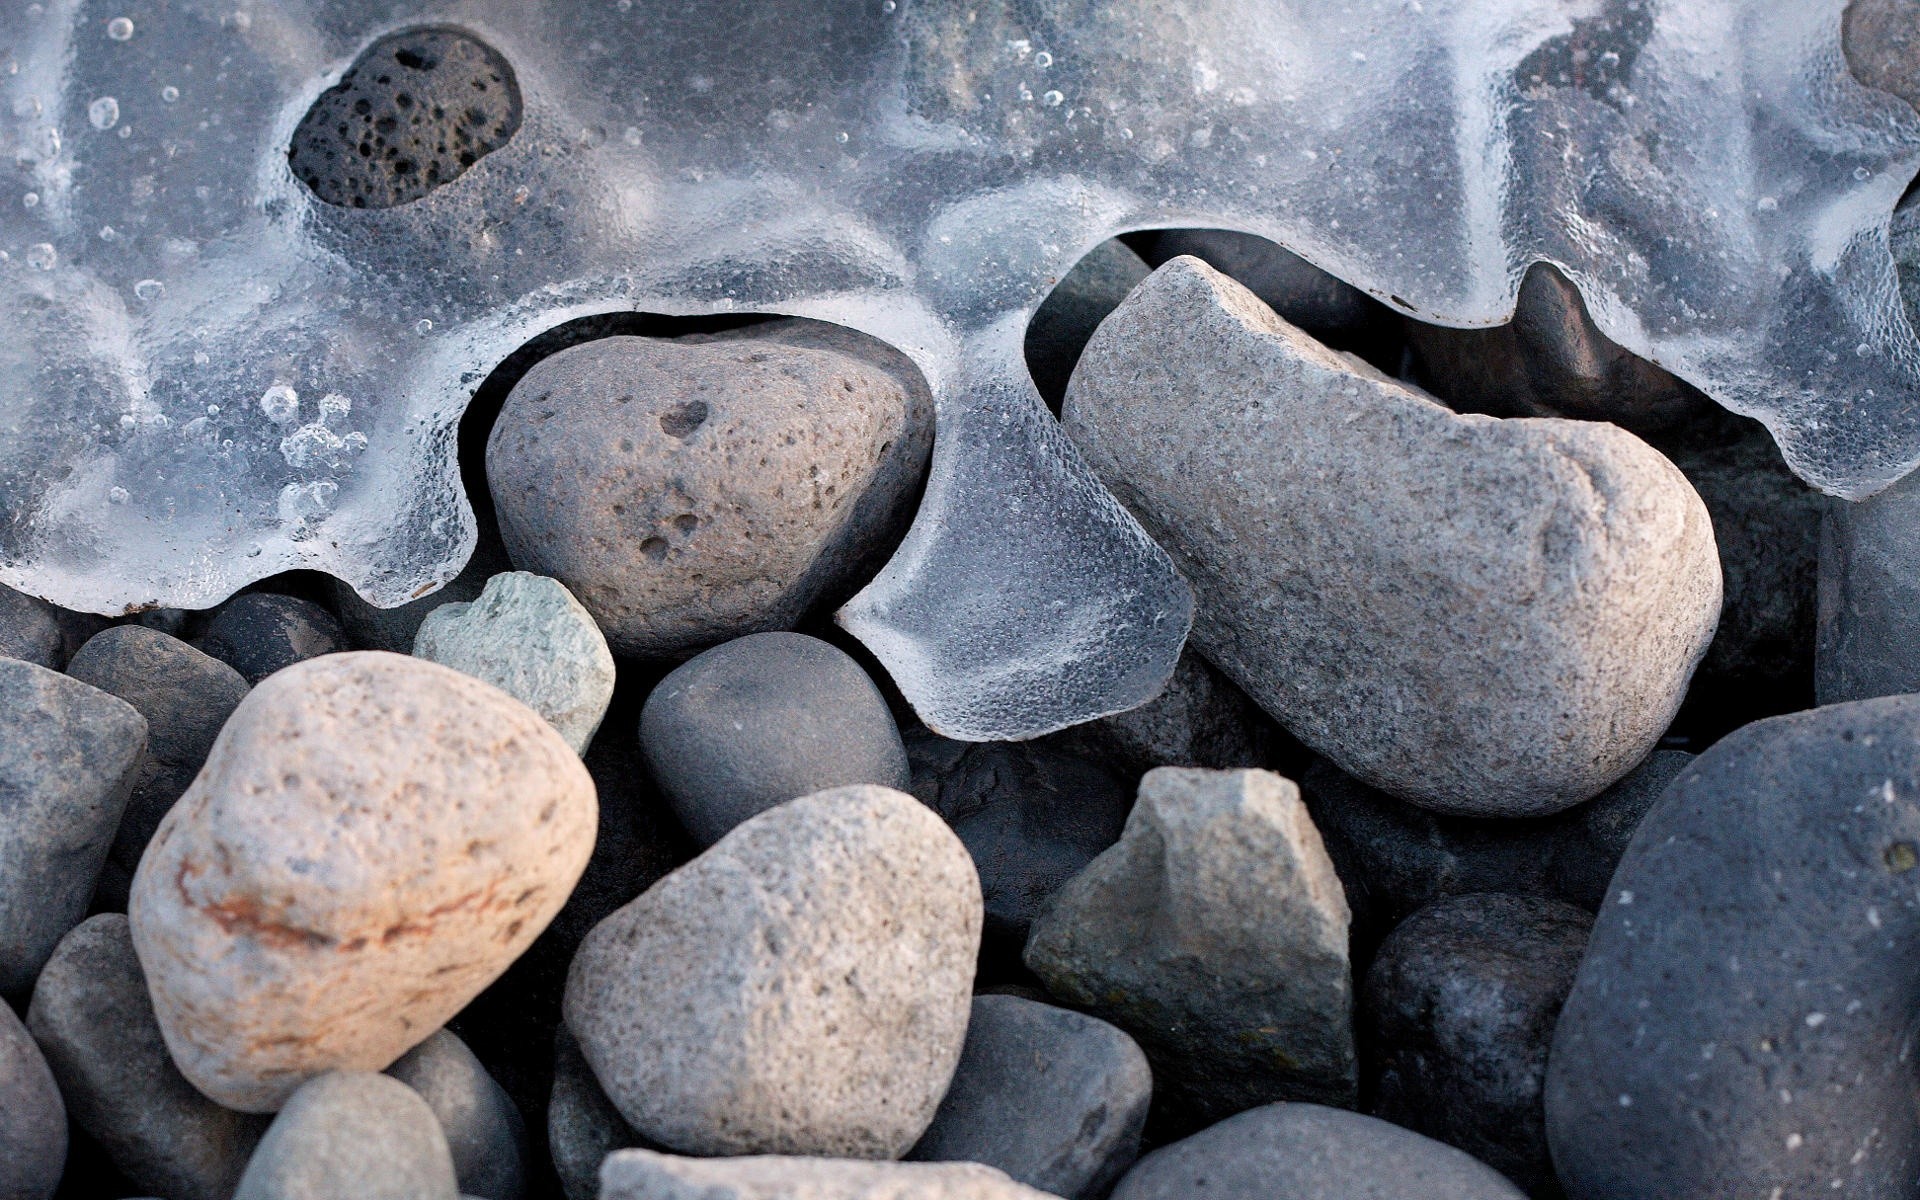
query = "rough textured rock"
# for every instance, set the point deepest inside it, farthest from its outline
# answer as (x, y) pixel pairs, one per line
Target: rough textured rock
(484, 1131)
(1742, 1022)
(69, 755)
(92, 1016)
(802, 987)
(583, 1126)
(352, 1134)
(185, 697)
(1074, 309)
(1882, 43)
(258, 633)
(413, 112)
(1056, 1099)
(529, 637)
(1306, 1152)
(1459, 1006)
(1199, 720)
(29, 630)
(1592, 838)
(1290, 285)
(1215, 933)
(1869, 597)
(692, 491)
(33, 1121)
(761, 720)
(1487, 617)
(373, 840)
(645, 1175)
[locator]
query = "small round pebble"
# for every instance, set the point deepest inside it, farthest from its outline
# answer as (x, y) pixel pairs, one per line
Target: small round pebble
(354, 1135)
(485, 1132)
(259, 633)
(33, 1121)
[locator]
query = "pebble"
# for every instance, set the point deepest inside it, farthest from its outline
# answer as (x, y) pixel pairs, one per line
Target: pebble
(688, 492)
(394, 629)
(1882, 46)
(1200, 719)
(1460, 1005)
(1290, 285)
(1056, 1099)
(529, 637)
(352, 1134)
(1307, 1152)
(258, 633)
(1073, 310)
(583, 1126)
(1215, 933)
(69, 755)
(760, 720)
(423, 829)
(1869, 597)
(647, 1175)
(1741, 1023)
(29, 630)
(1491, 618)
(801, 987)
(33, 1121)
(92, 1016)
(185, 697)
(485, 1132)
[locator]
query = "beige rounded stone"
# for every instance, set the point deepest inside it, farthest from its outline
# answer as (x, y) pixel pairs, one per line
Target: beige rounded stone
(373, 840)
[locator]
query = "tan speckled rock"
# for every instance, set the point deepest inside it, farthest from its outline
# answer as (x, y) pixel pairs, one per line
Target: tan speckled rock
(373, 840)
(801, 988)
(645, 1175)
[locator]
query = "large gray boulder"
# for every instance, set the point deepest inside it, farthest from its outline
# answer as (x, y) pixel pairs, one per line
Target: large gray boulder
(1482, 616)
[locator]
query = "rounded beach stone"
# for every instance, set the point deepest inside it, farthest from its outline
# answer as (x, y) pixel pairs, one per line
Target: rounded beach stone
(1307, 1152)
(1485, 617)
(373, 840)
(692, 491)
(484, 1131)
(647, 1175)
(1459, 1006)
(29, 631)
(69, 755)
(1054, 1098)
(186, 697)
(529, 637)
(92, 1016)
(583, 1126)
(259, 633)
(761, 720)
(33, 1121)
(800, 988)
(352, 1134)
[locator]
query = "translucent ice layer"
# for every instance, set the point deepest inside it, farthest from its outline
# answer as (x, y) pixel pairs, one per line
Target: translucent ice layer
(208, 374)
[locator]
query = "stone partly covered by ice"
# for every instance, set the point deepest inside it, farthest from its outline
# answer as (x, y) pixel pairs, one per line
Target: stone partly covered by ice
(1707, 173)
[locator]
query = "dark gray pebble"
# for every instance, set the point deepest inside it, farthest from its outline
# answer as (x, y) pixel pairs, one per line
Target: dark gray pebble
(259, 633)
(583, 1126)
(33, 1121)
(485, 1132)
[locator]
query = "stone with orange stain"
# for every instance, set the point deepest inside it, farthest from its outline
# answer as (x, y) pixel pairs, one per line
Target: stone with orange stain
(373, 841)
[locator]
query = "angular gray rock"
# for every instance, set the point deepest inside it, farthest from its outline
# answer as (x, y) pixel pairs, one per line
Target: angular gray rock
(1459, 1006)
(689, 491)
(29, 630)
(802, 987)
(1200, 719)
(583, 1126)
(1074, 309)
(1488, 617)
(1054, 1098)
(529, 637)
(186, 697)
(33, 1121)
(1306, 1152)
(258, 633)
(484, 1131)
(1215, 933)
(93, 1018)
(69, 755)
(761, 720)
(646, 1175)
(351, 1135)
(1869, 596)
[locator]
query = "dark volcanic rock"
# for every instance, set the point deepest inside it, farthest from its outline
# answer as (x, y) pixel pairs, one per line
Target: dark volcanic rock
(258, 633)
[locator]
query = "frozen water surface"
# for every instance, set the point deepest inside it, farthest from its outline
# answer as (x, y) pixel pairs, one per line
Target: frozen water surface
(208, 374)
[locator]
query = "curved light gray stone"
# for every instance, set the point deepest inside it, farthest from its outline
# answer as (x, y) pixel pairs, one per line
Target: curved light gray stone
(485, 1132)
(1486, 617)
(354, 1135)
(646, 1175)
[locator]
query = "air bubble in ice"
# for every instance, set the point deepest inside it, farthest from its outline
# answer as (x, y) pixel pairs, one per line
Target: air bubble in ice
(1052, 99)
(120, 29)
(30, 200)
(312, 445)
(149, 290)
(300, 502)
(104, 113)
(169, 93)
(423, 326)
(280, 402)
(41, 256)
(117, 495)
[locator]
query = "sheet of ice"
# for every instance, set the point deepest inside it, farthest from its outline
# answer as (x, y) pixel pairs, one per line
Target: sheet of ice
(207, 375)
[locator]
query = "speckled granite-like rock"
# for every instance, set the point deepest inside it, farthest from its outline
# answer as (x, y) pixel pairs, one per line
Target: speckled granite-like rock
(801, 987)
(1496, 618)
(646, 1175)
(33, 1121)
(373, 840)
(351, 1135)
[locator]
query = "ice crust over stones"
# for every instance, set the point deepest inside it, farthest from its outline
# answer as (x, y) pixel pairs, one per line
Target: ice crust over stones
(1706, 172)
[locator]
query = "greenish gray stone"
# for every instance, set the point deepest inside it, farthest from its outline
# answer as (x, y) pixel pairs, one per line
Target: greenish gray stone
(354, 1135)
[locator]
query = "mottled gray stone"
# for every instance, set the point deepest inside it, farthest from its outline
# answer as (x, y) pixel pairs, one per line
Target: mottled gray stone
(33, 1121)
(1869, 596)
(258, 633)
(351, 1135)
(29, 630)
(801, 987)
(1200, 719)
(1290, 285)
(646, 1175)
(1306, 1152)
(1459, 1006)
(1215, 933)
(1074, 309)
(529, 637)
(583, 1126)
(484, 1131)
(186, 697)
(688, 491)
(761, 720)
(69, 755)
(1486, 617)
(93, 1018)
(1054, 1098)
